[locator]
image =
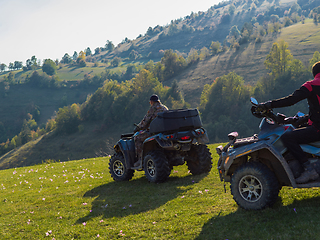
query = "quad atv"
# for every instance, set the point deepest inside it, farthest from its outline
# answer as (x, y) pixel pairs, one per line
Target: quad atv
(257, 167)
(177, 137)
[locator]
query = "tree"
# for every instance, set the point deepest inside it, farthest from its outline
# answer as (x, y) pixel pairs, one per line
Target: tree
(222, 104)
(17, 65)
(173, 29)
(109, 45)
(75, 56)
(150, 31)
(34, 61)
(49, 67)
(296, 67)
(315, 58)
(131, 69)
(81, 60)
(215, 47)
(3, 67)
(204, 53)
(278, 59)
(193, 56)
(88, 52)
(97, 51)
(173, 63)
(133, 55)
(68, 119)
(28, 65)
(11, 66)
(82, 56)
(66, 58)
(116, 61)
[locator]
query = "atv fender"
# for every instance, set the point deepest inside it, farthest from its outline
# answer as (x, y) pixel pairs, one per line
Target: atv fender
(265, 153)
(128, 150)
(155, 142)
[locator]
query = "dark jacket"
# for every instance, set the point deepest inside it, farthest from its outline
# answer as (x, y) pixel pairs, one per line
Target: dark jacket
(309, 90)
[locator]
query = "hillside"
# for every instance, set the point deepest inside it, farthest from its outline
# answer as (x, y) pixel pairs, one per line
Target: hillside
(196, 31)
(248, 61)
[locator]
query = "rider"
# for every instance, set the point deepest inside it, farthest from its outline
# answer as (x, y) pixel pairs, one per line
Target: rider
(310, 90)
(155, 108)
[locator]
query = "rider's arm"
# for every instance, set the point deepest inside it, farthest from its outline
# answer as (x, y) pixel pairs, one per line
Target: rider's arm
(146, 119)
(297, 96)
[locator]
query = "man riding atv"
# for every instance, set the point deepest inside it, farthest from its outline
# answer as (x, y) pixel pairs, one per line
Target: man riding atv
(310, 90)
(163, 139)
(155, 108)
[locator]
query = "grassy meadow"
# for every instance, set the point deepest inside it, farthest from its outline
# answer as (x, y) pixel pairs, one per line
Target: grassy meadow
(79, 200)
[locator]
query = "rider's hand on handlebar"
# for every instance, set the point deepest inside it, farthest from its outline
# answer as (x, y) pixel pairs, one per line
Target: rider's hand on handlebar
(136, 128)
(263, 106)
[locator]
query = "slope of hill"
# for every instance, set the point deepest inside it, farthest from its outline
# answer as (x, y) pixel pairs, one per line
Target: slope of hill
(248, 61)
(198, 30)
(92, 142)
(194, 31)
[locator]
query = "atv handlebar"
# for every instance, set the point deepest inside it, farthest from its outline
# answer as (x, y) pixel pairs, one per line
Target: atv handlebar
(298, 120)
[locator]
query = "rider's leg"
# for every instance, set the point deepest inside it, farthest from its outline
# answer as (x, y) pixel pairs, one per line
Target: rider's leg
(292, 140)
(138, 142)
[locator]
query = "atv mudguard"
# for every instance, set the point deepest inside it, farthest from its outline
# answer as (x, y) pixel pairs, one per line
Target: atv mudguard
(154, 142)
(127, 147)
(263, 152)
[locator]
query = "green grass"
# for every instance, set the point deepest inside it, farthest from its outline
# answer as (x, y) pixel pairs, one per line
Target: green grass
(79, 200)
(71, 73)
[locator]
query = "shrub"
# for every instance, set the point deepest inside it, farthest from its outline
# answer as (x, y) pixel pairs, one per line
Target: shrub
(68, 119)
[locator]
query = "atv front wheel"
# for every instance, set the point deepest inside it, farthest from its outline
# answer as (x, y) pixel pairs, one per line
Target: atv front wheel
(118, 169)
(199, 159)
(254, 186)
(156, 167)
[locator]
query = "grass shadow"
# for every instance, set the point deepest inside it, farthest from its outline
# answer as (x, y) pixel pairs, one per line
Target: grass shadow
(298, 220)
(120, 199)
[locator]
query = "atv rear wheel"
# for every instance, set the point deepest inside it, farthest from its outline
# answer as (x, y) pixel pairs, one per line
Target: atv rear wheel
(118, 169)
(254, 186)
(156, 166)
(199, 159)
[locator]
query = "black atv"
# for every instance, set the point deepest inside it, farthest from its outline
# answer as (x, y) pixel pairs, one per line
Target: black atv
(177, 137)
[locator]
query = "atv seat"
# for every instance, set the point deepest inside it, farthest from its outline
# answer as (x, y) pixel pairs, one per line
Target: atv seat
(315, 144)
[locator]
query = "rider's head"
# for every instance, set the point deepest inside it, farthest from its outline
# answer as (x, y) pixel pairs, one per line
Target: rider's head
(316, 68)
(154, 98)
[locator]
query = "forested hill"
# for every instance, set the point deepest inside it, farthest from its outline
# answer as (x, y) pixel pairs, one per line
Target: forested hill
(78, 106)
(200, 29)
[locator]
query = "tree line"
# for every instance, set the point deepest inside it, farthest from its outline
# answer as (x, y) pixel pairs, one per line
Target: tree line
(111, 104)
(224, 105)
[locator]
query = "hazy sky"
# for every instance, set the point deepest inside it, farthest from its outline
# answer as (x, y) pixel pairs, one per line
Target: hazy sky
(51, 28)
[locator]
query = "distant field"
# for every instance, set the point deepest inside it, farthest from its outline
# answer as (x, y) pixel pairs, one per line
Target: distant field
(79, 200)
(73, 73)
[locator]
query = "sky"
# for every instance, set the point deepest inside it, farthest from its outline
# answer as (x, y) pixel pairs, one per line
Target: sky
(51, 28)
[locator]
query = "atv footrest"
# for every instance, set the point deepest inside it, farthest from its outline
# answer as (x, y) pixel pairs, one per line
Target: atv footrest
(127, 135)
